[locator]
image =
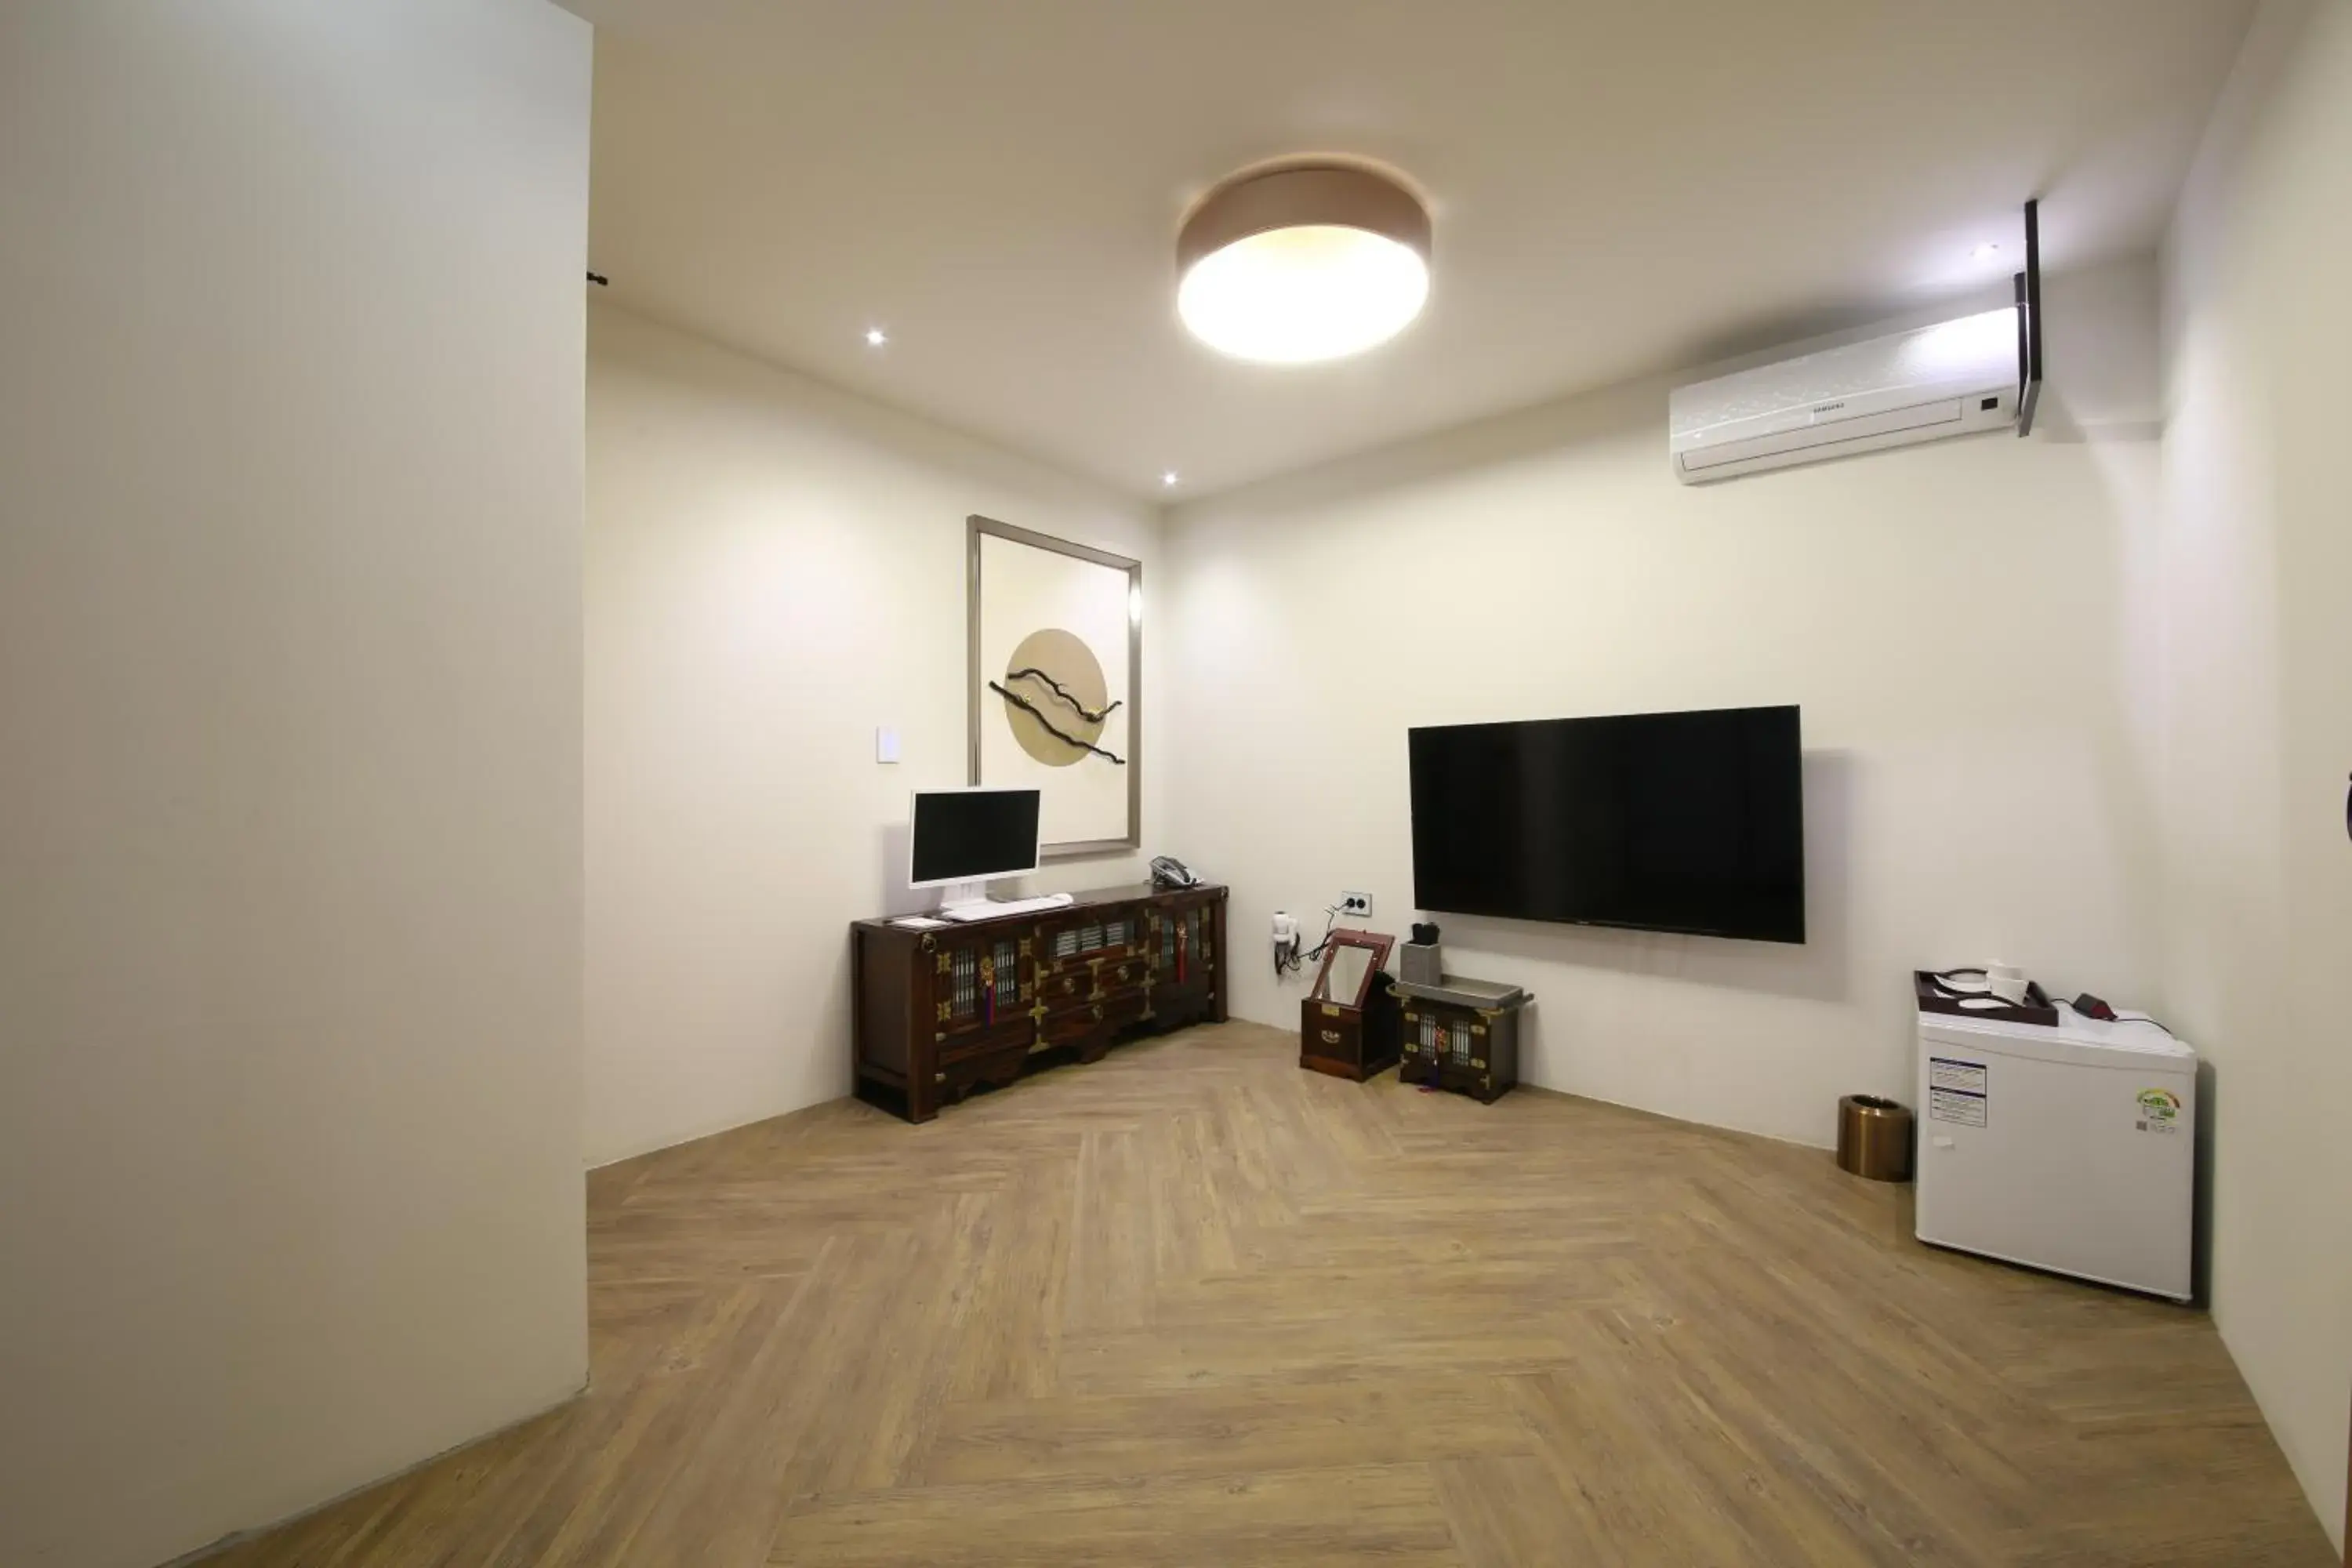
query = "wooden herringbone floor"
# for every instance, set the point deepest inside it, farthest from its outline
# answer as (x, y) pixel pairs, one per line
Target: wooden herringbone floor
(1193, 1306)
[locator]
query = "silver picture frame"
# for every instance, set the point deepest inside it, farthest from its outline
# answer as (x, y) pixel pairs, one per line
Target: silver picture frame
(976, 527)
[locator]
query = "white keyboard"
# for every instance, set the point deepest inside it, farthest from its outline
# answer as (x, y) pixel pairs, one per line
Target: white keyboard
(988, 909)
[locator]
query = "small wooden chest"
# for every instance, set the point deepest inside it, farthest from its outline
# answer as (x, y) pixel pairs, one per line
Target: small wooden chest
(1462, 1035)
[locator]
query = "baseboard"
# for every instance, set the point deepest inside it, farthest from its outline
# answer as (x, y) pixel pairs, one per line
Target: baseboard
(606, 1160)
(239, 1537)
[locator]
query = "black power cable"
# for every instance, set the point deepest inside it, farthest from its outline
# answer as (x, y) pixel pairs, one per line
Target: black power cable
(1293, 962)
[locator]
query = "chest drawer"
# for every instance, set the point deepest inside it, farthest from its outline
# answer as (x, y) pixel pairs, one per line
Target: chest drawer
(1065, 988)
(1012, 1034)
(1071, 1025)
(1112, 978)
(1077, 941)
(1348, 1042)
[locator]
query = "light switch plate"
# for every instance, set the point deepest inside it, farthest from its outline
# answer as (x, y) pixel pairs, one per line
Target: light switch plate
(885, 745)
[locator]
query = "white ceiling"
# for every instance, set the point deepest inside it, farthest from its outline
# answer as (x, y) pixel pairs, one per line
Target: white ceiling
(1617, 188)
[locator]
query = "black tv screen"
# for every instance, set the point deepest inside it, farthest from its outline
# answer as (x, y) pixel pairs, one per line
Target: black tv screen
(1675, 822)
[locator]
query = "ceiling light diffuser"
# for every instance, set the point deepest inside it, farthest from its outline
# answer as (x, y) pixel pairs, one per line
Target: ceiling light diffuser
(1302, 263)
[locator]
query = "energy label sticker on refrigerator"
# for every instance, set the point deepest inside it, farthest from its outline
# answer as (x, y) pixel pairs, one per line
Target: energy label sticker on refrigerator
(2159, 1111)
(1950, 1072)
(1955, 1105)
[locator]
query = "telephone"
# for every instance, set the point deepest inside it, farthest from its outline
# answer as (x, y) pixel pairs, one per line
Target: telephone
(1167, 871)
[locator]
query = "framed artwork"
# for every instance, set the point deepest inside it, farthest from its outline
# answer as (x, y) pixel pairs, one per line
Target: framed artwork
(1056, 678)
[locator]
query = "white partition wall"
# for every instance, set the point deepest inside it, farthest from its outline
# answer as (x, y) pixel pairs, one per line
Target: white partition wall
(2254, 702)
(290, 454)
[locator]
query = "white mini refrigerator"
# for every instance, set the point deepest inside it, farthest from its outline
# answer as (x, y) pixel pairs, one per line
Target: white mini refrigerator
(2071, 1148)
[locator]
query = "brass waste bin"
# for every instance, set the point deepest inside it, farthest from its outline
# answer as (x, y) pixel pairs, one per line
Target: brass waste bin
(1873, 1138)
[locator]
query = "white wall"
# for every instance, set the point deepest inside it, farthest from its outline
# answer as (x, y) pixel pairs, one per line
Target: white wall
(1949, 618)
(2255, 695)
(291, 470)
(775, 569)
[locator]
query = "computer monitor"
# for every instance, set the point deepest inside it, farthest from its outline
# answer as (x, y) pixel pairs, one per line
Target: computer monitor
(961, 837)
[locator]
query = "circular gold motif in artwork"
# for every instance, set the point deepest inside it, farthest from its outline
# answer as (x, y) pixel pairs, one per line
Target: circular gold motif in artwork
(1058, 658)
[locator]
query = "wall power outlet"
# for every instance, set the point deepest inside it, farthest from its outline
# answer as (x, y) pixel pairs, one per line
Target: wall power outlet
(1359, 905)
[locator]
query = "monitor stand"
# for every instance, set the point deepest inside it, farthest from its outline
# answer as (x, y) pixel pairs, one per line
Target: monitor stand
(962, 901)
(960, 893)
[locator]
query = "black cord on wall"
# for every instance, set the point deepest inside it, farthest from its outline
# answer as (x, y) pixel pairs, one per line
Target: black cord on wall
(1295, 962)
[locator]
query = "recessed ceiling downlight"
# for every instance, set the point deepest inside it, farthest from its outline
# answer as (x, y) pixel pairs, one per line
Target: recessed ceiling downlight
(1303, 263)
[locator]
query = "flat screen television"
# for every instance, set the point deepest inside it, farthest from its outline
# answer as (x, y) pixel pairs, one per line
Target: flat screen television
(1674, 822)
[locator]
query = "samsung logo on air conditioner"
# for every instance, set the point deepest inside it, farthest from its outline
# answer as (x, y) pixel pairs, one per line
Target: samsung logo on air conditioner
(1826, 407)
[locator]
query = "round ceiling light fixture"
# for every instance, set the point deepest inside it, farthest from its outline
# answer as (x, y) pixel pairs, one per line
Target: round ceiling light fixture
(1303, 262)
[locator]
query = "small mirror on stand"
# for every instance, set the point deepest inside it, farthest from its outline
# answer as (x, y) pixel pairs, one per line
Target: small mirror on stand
(1348, 1024)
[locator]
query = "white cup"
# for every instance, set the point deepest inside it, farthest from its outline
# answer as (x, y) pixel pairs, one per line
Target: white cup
(2005, 981)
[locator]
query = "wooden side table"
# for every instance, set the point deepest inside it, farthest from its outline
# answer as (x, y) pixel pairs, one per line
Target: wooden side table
(1462, 1035)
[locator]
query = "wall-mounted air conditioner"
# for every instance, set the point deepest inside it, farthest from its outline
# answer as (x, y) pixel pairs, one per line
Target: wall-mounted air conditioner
(1954, 378)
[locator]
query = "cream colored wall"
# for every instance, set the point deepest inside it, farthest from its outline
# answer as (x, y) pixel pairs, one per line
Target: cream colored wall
(775, 570)
(2256, 696)
(290, 674)
(1951, 618)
